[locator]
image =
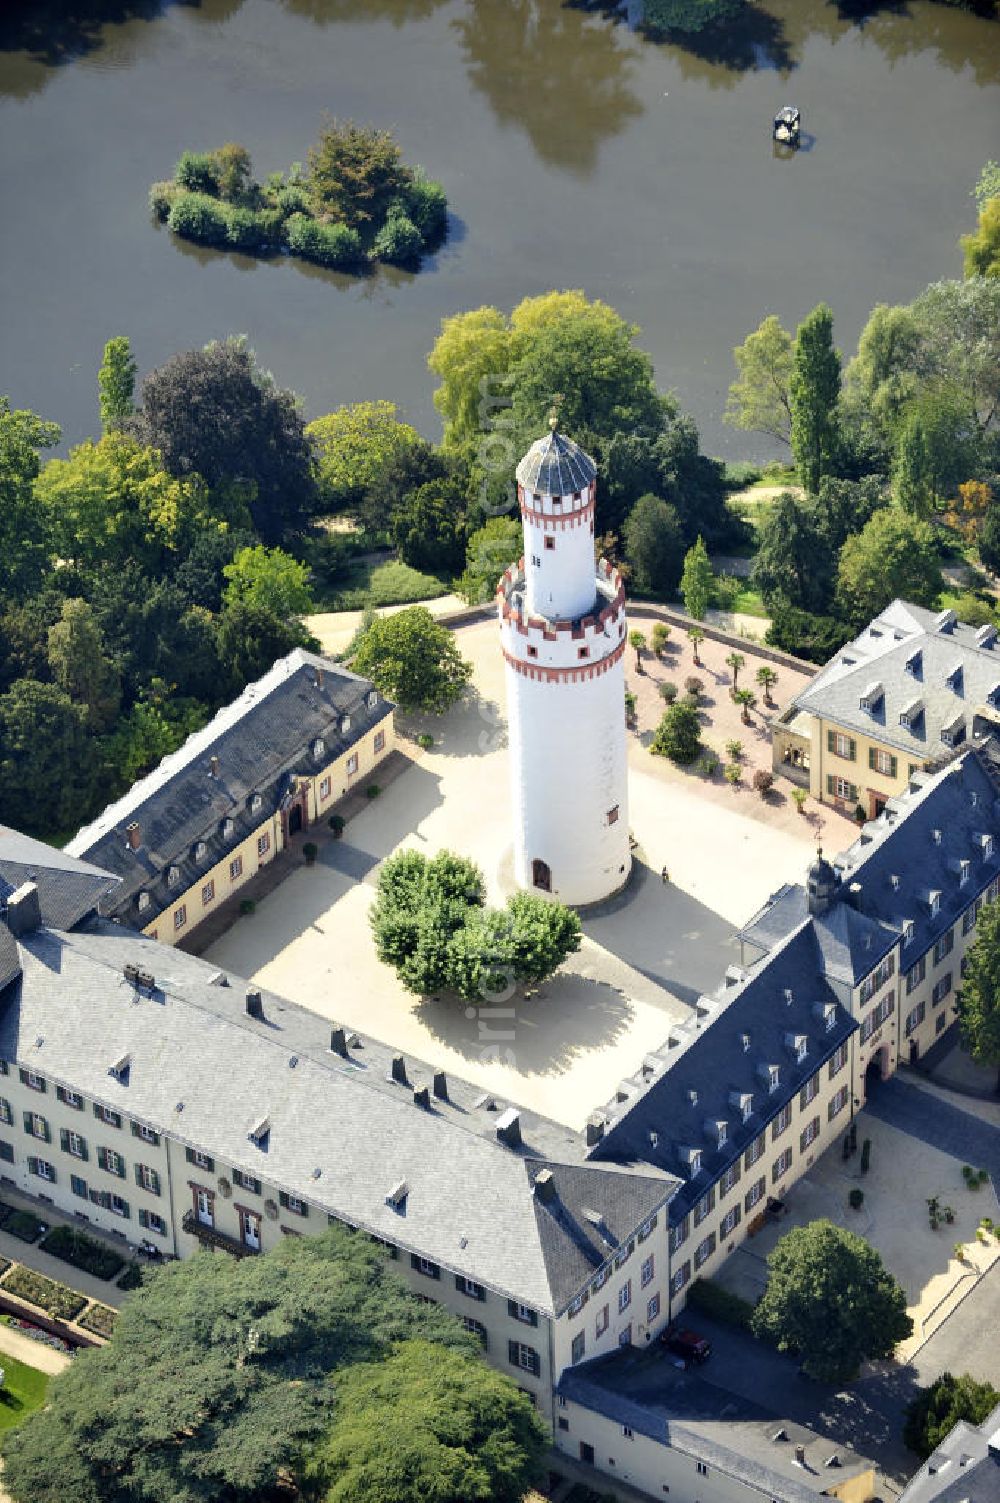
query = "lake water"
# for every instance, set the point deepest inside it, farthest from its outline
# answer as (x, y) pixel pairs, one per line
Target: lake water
(574, 154)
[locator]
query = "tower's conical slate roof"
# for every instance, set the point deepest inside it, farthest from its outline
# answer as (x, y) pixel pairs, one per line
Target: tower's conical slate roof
(556, 466)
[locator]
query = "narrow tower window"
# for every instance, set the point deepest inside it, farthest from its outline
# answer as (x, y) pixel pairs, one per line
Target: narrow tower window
(550, 543)
(613, 815)
(541, 876)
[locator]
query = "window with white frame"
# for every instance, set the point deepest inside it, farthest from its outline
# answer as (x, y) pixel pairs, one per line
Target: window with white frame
(705, 1204)
(652, 1309)
(324, 788)
(704, 1250)
(730, 1178)
(679, 1233)
(915, 1018)
(781, 1122)
(755, 1194)
(43, 1169)
(944, 946)
(352, 764)
(809, 1134)
(603, 1320)
(263, 844)
(625, 1296)
(781, 1166)
(730, 1222)
(680, 1277)
(646, 1272)
(180, 916)
(809, 1091)
(837, 1102)
(877, 1017)
(941, 989)
(754, 1151)
(838, 1059)
(235, 868)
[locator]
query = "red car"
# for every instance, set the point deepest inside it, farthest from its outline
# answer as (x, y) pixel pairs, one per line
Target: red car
(687, 1344)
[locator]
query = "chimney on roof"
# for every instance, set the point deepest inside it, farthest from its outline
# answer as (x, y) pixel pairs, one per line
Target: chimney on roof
(509, 1128)
(213, 767)
(545, 1186)
(255, 1003)
(24, 910)
(338, 1042)
(421, 1096)
(800, 1455)
(595, 1129)
(440, 1086)
(318, 678)
(398, 1070)
(133, 835)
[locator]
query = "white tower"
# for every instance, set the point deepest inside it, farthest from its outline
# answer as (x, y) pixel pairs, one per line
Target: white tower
(562, 629)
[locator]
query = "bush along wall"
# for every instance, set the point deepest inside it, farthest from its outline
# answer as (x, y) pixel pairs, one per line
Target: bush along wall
(357, 203)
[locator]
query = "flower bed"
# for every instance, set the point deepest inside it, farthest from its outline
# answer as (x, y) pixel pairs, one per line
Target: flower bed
(55, 1299)
(82, 1251)
(100, 1319)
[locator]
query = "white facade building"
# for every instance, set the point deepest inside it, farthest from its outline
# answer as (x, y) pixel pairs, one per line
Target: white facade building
(562, 629)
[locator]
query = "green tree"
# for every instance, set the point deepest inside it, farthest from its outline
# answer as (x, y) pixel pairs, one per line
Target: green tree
(759, 399)
(116, 382)
(354, 173)
(470, 358)
(113, 501)
(988, 185)
(695, 636)
(427, 1423)
(352, 446)
(937, 1409)
(654, 546)
(815, 638)
(215, 413)
(766, 678)
(981, 249)
(979, 998)
(747, 701)
(413, 660)
(428, 528)
(894, 555)
(270, 580)
(217, 1380)
(678, 735)
(22, 534)
(989, 537)
(157, 724)
(814, 392)
(735, 661)
(830, 1298)
(637, 641)
(842, 508)
(912, 478)
(80, 665)
(249, 640)
(689, 15)
(44, 743)
(489, 551)
(697, 580)
(793, 559)
(959, 348)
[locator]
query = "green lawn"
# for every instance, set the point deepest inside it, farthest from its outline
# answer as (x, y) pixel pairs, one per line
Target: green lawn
(748, 603)
(23, 1390)
(389, 583)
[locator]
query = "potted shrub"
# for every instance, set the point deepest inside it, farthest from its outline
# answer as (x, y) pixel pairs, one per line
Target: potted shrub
(373, 790)
(247, 906)
(310, 851)
(734, 750)
(732, 774)
(693, 686)
(668, 691)
(856, 1199)
(799, 797)
(763, 781)
(336, 823)
(866, 1155)
(425, 741)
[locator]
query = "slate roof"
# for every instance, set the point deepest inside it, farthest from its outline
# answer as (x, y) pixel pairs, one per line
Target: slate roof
(965, 1468)
(681, 1410)
(913, 850)
(556, 466)
(262, 740)
(68, 889)
(342, 1135)
(851, 943)
(939, 669)
(721, 1056)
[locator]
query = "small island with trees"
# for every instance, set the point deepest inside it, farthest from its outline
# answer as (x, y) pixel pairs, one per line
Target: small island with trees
(356, 203)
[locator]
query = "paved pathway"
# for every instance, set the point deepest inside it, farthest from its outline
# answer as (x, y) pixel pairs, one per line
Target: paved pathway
(946, 1127)
(32, 1353)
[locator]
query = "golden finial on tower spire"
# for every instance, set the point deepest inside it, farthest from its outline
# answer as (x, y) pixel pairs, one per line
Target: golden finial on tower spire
(554, 411)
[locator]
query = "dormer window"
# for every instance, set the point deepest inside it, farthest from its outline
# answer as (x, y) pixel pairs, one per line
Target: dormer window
(773, 1077)
(964, 868)
(908, 928)
(987, 847)
(745, 1041)
(173, 876)
(120, 1068)
(993, 696)
(259, 1132)
(200, 851)
(345, 724)
(227, 829)
(934, 904)
(955, 679)
(144, 901)
(830, 1018)
(694, 1162)
(746, 1108)
(255, 803)
(692, 1098)
(872, 698)
(371, 698)
(894, 881)
(915, 663)
(798, 1045)
(911, 713)
(936, 836)
(953, 734)
(319, 747)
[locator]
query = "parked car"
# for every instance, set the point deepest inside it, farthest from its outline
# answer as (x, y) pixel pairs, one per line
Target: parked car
(687, 1344)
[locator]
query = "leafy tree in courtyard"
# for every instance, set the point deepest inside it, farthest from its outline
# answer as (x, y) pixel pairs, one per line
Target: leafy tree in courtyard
(428, 528)
(426, 1423)
(22, 538)
(214, 413)
(353, 445)
(413, 660)
(894, 555)
(830, 1299)
(80, 665)
(678, 735)
(654, 546)
(269, 580)
(217, 1381)
(429, 923)
(697, 580)
(759, 399)
(979, 998)
(814, 392)
(116, 383)
(44, 744)
(489, 551)
(935, 1411)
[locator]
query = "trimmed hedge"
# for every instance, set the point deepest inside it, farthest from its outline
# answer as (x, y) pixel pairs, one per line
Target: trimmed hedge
(100, 1319)
(55, 1299)
(83, 1252)
(720, 1304)
(24, 1225)
(131, 1278)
